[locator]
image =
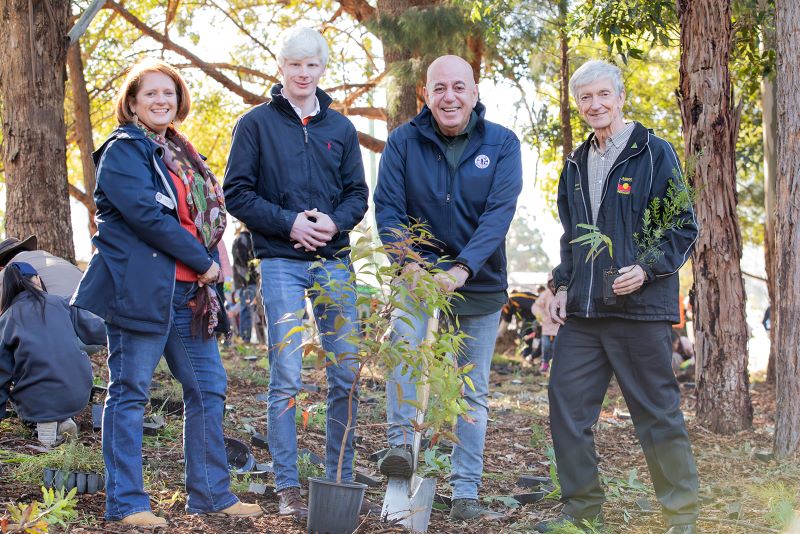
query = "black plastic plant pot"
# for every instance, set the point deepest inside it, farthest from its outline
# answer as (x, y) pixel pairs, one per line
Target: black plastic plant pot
(84, 482)
(239, 456)
(333, 508)
(609, 277)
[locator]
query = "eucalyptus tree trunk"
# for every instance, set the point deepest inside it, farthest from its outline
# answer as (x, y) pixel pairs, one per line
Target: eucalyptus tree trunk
(566, 123)
(786, 318)
(33, 41)
(710, 125)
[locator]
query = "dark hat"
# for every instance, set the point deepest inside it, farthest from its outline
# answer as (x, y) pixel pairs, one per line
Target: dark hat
(11, 246)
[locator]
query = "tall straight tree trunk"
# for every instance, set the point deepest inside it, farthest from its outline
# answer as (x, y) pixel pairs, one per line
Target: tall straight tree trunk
(786, 318)
(566, 124)
(34, 144)
(710, 126)
(770, 128)
(401, 93)
(83, 131)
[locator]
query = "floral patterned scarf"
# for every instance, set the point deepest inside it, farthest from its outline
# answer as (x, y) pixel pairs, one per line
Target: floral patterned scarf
(206, 208)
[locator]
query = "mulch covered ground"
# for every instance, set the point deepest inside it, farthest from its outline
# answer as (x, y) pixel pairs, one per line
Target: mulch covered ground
(741, 493)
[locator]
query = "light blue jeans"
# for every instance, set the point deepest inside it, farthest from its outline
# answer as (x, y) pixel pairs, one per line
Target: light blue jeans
(195, 362)
(467, 459)
(284, 285)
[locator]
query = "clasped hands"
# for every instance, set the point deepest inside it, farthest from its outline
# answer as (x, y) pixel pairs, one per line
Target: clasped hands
(312, 229)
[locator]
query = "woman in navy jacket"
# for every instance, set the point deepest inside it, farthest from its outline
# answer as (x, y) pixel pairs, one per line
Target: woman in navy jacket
(160, 212)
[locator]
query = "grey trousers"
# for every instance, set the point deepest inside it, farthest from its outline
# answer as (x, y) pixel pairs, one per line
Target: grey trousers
(639, 354)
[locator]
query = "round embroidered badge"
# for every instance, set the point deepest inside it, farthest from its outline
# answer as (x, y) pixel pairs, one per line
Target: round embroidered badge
(482, 161)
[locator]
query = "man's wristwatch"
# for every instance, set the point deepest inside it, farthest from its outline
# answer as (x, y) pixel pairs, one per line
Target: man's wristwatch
(561, 288)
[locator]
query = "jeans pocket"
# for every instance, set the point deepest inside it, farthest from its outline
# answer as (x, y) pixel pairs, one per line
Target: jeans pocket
(184, 292)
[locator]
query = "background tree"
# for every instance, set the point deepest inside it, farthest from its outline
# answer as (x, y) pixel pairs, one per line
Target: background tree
(34, 144)
(710, 124)
(787, 303)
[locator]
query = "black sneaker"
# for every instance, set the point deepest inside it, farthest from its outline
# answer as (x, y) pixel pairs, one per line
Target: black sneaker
(682, 529)
(466, 509)
(562, 520)
(397, 462)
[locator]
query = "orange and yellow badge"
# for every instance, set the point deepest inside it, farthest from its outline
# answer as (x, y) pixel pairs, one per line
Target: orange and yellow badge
(624, 185)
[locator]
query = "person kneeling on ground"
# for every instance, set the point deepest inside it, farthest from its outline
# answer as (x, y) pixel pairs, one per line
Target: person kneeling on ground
(42, 367)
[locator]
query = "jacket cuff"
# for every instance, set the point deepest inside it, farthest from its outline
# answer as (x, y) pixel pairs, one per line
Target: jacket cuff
(648, 272)
(472, 270)
(288, 218)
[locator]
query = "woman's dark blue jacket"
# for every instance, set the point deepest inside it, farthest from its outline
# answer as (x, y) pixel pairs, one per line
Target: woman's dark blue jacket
(40, 355)
(131, 277)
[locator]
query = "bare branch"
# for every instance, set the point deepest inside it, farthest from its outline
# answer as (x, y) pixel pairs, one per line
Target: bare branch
(229, 66)
(358, 9)
(371, 143)
(368, 112)
(78, 195)
(247, 96)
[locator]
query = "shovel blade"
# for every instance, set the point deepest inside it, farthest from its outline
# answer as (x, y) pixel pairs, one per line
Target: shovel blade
(408, 502)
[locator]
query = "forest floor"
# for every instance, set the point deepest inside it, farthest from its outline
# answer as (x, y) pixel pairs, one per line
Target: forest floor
(742, 490)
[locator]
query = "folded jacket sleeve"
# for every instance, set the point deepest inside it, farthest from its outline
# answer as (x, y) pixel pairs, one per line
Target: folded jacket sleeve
(353, 203)
(562, 274)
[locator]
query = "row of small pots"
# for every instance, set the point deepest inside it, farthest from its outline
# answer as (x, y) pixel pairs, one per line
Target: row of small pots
(85, 482)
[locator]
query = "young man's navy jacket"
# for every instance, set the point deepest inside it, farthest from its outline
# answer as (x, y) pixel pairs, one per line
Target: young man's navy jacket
(642, 172)
(469, 211)
(279, 167)
(131, 277)
(41, 356)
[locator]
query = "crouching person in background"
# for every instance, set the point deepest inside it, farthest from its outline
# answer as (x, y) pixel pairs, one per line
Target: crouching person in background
(42, 367)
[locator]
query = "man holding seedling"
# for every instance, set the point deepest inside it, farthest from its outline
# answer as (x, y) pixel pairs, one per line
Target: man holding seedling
(460, 175)
(623, 329)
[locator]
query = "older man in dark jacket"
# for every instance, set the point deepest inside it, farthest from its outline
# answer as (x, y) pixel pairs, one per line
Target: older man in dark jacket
(296, 179)
(461, 175)
(609, 181)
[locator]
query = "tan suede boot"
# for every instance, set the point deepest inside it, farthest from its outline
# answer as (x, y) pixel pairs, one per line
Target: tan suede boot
(145, 520)
(241, 509)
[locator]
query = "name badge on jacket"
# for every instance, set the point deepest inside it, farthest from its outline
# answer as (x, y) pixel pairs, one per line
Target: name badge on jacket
(165, 200)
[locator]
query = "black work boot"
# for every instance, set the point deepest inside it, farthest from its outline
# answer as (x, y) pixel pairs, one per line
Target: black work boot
(397, 462)
(466, 509)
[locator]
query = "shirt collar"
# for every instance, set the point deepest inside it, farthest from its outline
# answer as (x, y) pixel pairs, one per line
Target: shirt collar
(298, 110)
(467, 131)
(618, 139)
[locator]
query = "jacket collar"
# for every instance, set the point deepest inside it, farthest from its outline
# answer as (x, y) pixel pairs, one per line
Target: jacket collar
(640, 137)
(285, 106)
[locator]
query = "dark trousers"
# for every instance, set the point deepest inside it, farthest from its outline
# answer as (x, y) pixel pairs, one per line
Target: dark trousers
(639, 354)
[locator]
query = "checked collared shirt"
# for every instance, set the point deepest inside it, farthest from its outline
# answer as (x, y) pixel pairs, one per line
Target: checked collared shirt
(600, 163)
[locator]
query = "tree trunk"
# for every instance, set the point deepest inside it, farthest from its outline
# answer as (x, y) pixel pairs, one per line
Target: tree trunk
(710, 126)
(786, 319)
(83, 130)
(34, 149)
(770, 128)
(566, 124)
(402, 89)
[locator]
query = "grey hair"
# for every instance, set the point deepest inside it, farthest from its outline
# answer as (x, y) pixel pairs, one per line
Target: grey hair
(592, 71)
(301, 42)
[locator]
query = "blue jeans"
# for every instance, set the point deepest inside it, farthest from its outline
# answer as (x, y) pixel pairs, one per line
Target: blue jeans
(467, 460)
(547, 348)
(196, 364)
(247, 296)
(284, 285)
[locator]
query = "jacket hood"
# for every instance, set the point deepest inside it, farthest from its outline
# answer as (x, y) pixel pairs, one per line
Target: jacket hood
(275, 93)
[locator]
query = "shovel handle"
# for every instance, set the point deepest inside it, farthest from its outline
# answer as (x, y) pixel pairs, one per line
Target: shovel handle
(423, 391)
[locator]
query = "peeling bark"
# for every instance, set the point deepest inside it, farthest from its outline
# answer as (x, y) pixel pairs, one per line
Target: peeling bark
(710, 127)
(32, 76)
(786, 319)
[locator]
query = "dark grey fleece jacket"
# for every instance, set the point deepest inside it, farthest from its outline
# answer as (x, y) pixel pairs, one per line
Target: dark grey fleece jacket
(42, 368)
